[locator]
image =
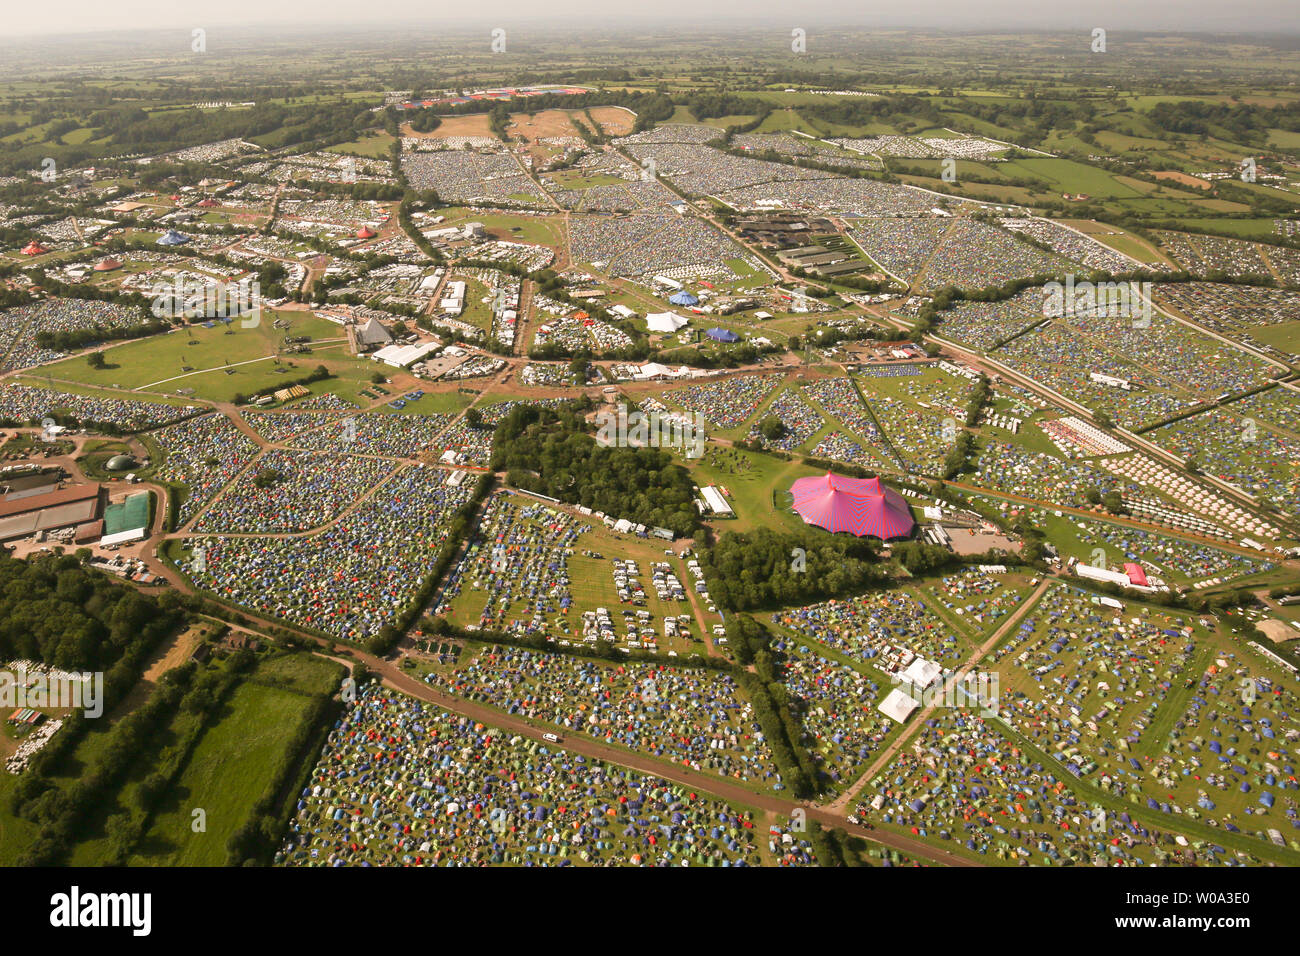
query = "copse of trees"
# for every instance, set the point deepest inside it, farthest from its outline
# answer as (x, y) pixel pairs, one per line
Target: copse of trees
(1247, 122)
(551, 452)
(772, 428)
(713, 105)
(776, 713)
(919, 558)
(55, 611)
(424, 121)
(955, 462)
(766, 568)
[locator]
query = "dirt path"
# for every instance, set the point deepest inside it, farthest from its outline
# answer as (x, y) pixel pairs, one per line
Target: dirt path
(688, 582)
(396, 679)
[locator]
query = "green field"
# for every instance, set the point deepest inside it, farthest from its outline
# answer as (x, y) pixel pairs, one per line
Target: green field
(1283, 335)
(1130, 246)
(1067, 175)
(224, 776)
(375, 145)
(535, 229)
(577, 179)
(229, 769)
(222, 362)
(756, 483)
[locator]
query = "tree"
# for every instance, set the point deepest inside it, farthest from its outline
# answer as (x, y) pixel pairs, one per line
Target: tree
(772, 428)
(96, 360)
(473, 417)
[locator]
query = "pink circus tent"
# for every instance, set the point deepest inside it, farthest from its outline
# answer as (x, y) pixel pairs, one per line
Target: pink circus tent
(860, 506)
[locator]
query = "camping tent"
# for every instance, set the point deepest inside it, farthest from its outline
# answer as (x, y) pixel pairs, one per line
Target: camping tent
(723, 335)
(860, 506)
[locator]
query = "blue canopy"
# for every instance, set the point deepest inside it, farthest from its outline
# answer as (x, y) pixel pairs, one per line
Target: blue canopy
(723, 335)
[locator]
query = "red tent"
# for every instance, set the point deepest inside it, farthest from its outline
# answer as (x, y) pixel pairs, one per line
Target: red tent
(860, 506)
(34, 248)
(365, 232)
(1136, 575)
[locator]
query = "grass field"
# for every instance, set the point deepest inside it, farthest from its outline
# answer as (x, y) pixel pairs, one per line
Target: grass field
(755, 482)
(1132, 246)
(477, 312)
(1066, 175)
(375, 145)
(228, 770)
(217, 364)
(1283, 335)
(577, 179)
(224, 777)
(534, 229)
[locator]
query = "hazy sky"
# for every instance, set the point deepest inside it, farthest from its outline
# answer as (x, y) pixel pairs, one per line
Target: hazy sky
(1238, 16)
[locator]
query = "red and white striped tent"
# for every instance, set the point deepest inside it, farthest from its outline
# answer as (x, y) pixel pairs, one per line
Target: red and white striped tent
(859, 506)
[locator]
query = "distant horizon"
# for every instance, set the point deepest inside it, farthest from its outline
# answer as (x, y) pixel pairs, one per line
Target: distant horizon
(1247, 18)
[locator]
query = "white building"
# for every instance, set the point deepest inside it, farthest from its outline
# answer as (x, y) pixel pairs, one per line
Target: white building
(403, 356)
(713, 498)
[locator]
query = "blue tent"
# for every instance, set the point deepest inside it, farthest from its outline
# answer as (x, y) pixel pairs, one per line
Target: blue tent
(723, 335)
(683, 298)
(172, 238)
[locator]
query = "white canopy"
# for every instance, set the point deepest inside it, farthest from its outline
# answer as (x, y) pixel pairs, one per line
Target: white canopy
(922, 673)
(664, 322)
(897, 706)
